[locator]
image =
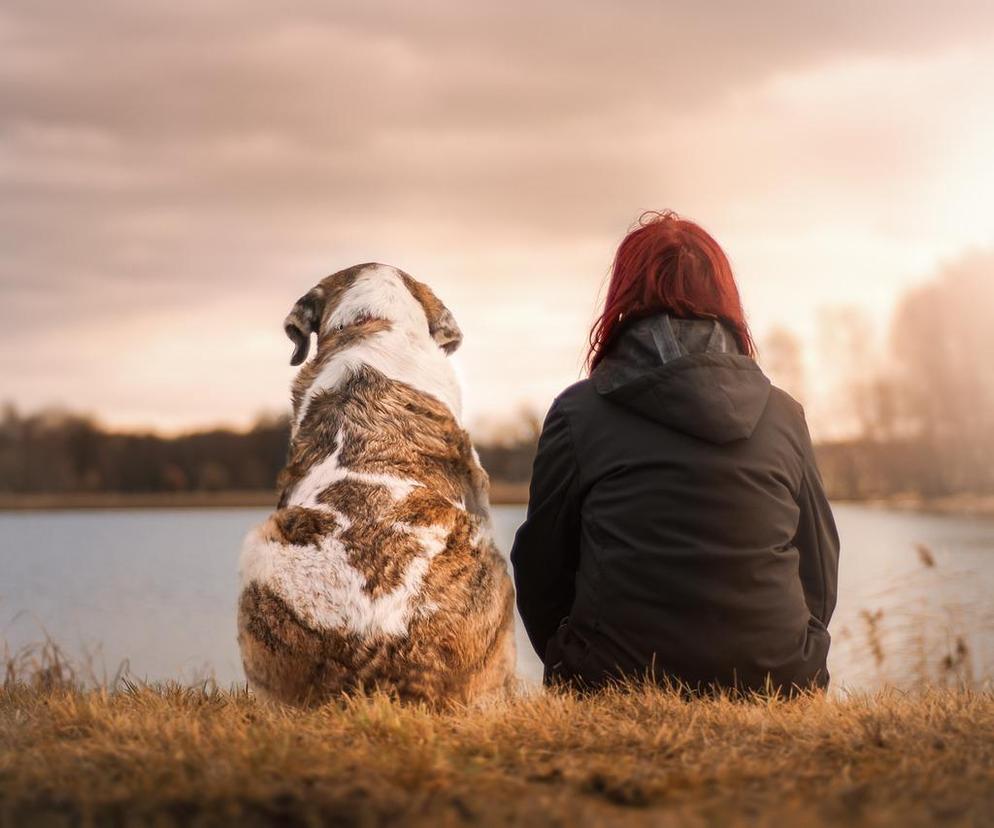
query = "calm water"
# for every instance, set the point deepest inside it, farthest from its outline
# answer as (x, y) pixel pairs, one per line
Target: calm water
(158, 588)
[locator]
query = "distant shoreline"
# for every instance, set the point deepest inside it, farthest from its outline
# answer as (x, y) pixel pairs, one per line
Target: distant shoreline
(501, 494)
(960, 505)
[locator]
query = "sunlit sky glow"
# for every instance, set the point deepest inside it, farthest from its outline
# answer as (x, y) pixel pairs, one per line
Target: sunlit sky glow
(175, 175)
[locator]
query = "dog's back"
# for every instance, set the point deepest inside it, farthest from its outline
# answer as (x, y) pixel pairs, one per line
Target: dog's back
(378, 569)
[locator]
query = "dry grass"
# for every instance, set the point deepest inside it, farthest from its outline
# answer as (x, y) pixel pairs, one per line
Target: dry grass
(173, 755)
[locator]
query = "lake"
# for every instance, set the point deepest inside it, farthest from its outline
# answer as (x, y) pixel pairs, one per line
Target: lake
(158, 588)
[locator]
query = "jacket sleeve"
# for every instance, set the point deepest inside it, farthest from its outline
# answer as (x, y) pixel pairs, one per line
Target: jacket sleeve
(817, 541)
(546, 548)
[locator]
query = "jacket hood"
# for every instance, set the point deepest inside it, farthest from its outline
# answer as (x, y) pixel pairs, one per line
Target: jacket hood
(687, 374)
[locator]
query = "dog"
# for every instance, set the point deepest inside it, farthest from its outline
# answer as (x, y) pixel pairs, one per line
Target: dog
(378, 570)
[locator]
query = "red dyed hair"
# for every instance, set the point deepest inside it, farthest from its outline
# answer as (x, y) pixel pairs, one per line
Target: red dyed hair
(669, 264)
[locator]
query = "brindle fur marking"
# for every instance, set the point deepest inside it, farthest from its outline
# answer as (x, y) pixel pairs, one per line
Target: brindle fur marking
(386, 428)
(459, 643)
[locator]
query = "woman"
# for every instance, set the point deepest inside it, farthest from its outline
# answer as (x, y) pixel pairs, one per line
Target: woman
(677, 526)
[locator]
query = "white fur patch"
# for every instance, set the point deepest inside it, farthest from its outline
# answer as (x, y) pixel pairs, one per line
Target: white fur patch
(327, 592)
(318, 581)
(405, 353)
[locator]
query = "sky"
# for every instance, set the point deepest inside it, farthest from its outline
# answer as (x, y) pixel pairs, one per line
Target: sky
(174, 175)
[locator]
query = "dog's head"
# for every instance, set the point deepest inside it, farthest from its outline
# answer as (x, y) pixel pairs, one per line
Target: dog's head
(362, 294)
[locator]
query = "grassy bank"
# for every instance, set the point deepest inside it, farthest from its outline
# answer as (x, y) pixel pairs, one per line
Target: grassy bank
(174, 755)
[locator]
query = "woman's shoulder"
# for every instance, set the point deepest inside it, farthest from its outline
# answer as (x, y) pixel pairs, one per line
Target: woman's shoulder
(575, 399)
(577, 391)
(578, 409)
(785, 403)
(788, 416)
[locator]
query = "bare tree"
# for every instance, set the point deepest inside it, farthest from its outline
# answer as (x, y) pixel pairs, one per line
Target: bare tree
(782, 355)
(942, 339)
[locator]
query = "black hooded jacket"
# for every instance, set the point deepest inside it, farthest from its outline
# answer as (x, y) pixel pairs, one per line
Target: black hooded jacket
(677, 525)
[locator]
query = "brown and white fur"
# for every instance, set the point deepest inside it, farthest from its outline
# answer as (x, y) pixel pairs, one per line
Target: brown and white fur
(377, 569)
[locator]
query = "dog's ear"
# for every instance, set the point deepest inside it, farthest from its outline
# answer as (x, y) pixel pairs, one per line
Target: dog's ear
(303, 320)
(441, 323)
(445, 331)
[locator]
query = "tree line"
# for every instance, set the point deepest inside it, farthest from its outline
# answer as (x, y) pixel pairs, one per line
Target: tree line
(59, 452)
(917, 412)
(918, 405)
(62, 452)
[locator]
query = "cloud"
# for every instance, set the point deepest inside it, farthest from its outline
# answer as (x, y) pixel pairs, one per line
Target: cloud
(175, 173)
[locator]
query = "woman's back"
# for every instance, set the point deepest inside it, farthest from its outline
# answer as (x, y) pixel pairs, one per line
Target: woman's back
(677, 518)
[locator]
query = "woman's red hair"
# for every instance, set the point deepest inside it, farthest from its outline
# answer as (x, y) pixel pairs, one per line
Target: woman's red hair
(669, 264)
